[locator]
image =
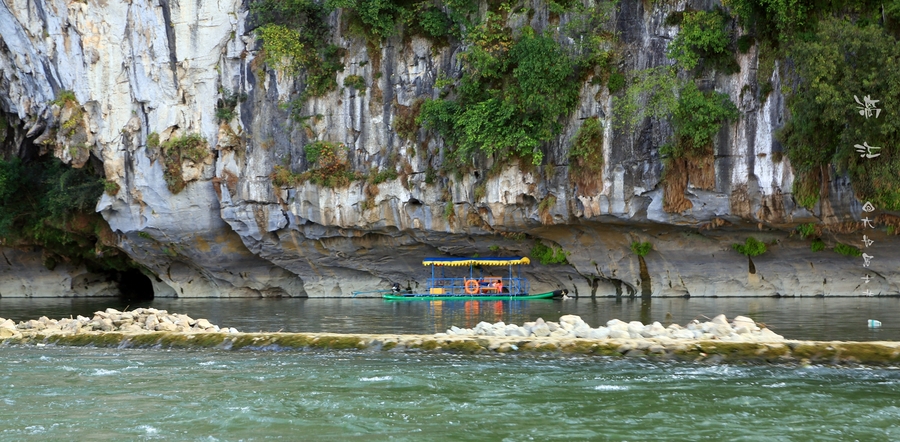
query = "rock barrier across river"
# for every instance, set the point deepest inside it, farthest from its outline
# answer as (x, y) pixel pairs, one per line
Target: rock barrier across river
(742, 329)
(111, 320)
(710, 342)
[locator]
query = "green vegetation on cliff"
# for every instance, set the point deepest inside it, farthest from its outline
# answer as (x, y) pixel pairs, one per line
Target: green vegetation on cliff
(175, 151)
(511, 96)
(48, 204)
(702, 36)
(327, 166)
(517, 87)
(549, 254)
(586, 156)
(296, 36)
(841, 63)
(66, 100)
(696, 115)
(844, 249)
(838, 53)
(751, 247)
(641, 248)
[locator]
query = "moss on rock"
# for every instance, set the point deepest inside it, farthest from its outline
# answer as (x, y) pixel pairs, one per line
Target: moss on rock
(805, 352)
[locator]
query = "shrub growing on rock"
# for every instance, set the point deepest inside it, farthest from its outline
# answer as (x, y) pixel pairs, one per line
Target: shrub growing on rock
(846, 250)
(751, 247)
(703, 35)
(805, 230)
(641, 248)
(817, 245)
(549, 255)
(175, 151)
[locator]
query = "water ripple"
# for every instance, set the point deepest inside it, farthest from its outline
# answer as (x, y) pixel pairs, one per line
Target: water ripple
(179, 395)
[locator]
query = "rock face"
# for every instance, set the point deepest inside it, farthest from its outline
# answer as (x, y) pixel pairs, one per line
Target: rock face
(22, 274)
(145, 67)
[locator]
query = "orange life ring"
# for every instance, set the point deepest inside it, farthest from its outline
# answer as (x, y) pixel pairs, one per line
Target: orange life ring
(472, 286)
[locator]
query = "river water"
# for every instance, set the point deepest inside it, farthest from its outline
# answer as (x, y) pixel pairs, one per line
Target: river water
(56, 393)
(73, 393)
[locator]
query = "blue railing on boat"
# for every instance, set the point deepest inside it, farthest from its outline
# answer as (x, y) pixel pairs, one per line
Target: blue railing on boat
(485, 285)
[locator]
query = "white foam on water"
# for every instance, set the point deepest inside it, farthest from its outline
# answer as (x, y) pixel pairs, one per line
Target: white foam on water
(36, 429)
(103, 372)
(376, 379)
(148, 430)
(776, 385)
(610, 388)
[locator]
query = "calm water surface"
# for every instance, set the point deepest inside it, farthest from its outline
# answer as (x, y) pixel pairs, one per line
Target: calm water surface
(793, 318)
(57, 393)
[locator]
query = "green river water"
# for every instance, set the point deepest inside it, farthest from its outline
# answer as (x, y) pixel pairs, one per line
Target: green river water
(58, 393)
(64, 394)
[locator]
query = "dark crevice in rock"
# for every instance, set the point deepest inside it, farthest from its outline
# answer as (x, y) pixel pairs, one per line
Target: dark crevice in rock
(170, 36)
(645, 279)
(752, 267)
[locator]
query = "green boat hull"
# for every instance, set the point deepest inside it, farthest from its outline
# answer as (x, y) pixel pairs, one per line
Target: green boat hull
(547, 295)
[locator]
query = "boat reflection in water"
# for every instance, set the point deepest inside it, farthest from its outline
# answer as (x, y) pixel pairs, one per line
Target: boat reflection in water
(467, 314)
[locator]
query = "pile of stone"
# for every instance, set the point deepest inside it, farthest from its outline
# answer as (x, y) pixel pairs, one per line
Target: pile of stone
(135, 321)
(741, 329)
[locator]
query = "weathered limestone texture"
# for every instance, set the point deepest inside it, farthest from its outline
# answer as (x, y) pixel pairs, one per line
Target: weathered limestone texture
(146, 67)
(23, 275)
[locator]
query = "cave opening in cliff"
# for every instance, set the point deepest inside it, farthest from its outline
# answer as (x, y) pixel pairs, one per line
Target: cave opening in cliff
(135, 286)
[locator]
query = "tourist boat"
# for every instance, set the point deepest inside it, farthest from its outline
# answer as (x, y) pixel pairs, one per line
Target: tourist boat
(485, 285)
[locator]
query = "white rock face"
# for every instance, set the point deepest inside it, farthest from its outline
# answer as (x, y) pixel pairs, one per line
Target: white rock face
(138, 67)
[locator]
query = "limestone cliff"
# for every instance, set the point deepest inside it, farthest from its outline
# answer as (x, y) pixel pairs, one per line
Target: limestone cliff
(144, 72)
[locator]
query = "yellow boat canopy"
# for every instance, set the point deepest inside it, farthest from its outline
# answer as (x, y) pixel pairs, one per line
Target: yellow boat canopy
(460, 262)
